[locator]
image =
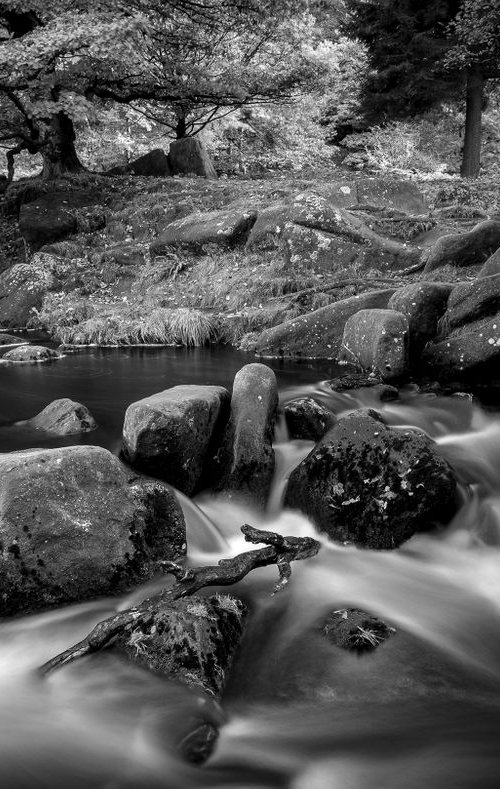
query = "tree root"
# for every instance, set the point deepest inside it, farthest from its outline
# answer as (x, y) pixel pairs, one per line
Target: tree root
(278, 550)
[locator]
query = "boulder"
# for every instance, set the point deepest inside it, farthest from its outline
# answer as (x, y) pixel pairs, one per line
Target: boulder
(74, 525)
(464, 249)
(355, 630)
(350, 381)
(492, 265)
(371, 485)
(377, 340)
(189, 157)
(193, 233)
(192, 640)
(471, 301)
(22, 288)
(244, 464)
(63, 418)
(171, 434)
(31, 353)
(53, 216)
(307, 419)
(382, 192)
(153, 163)
(10, 340)
(471, 351)
(423, 303)
(318, 334)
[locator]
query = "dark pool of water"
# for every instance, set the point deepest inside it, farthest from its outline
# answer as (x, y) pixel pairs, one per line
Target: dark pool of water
(108, 380)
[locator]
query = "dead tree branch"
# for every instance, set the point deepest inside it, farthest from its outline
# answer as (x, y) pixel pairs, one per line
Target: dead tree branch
(278, 550)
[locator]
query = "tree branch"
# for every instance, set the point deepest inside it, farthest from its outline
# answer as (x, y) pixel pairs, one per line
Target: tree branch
(278, 550)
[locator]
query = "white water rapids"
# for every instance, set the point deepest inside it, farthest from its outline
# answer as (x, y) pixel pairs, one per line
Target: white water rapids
(423, 710)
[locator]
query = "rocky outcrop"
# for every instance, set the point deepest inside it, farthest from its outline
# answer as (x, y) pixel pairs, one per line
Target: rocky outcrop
(307, 419)
(377, 340)
(63, 418)
(244, 464)
(311, 226)
(367, 484)
(22, 288)
(464, 249)
(195, 232)
(74, 525)
(57, 215)
(423, 303)
(188, 157)
(31, 353)
(170, 435)
(153, 163)
(318, 334)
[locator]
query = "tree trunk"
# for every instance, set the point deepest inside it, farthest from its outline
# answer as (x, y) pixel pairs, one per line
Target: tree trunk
(58, 152)
(180, 129)
(471, 159)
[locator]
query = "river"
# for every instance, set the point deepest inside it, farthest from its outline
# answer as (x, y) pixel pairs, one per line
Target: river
(421, 710)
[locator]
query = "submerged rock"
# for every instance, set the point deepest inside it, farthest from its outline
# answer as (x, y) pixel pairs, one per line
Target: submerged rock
(31, 353)
(172, 434)
(244, 464)
(355, 630)
(377, 340)
(64, 418)
(307, 419)
(370, 485)
(74, 525)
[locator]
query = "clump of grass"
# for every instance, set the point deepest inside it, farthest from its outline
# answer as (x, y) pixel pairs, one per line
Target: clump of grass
(192, 327)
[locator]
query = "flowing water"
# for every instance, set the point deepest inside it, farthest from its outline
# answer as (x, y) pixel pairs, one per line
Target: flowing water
(423, 710)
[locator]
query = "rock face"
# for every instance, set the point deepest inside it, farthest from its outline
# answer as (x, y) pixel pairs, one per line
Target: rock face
(423, 303)
(377, 340)
(189, 157)
(53, 216)
(64, 418)
(192, 640)
(318, 334)
(245, 461)
(31, 353)
(464, 249)
(370, 485)
(355, 630)
(22, 287)
(153, 163)
(307, 419)
(312, 226)
(194, 232)
(73, 525)
(171, 434)
(492, 265)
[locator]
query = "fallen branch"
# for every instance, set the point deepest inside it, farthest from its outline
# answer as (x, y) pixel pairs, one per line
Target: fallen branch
(324, 287)
(278, 550)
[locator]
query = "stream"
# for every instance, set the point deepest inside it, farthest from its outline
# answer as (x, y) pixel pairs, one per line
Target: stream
(422, 710)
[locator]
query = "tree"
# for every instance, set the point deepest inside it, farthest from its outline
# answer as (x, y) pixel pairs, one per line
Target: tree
(476, 29)
(423, 52)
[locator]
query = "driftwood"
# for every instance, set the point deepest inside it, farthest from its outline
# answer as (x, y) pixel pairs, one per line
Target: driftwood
(278, 550)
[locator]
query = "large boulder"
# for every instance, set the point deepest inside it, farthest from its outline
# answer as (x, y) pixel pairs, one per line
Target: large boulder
(193, 233)
(189, 157)
(472, 301)
(471, 351)
(22, 288)
(63, 417)
(423, 303)
(74, 525)
(377, 340)
(318, 334)
(245, 461)
(171, 434)
(311, 226)
(153, 163)
(307, 419)
(386, 192)
(54, 216)
(464, 249)
(367, 484)
(31, 353)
